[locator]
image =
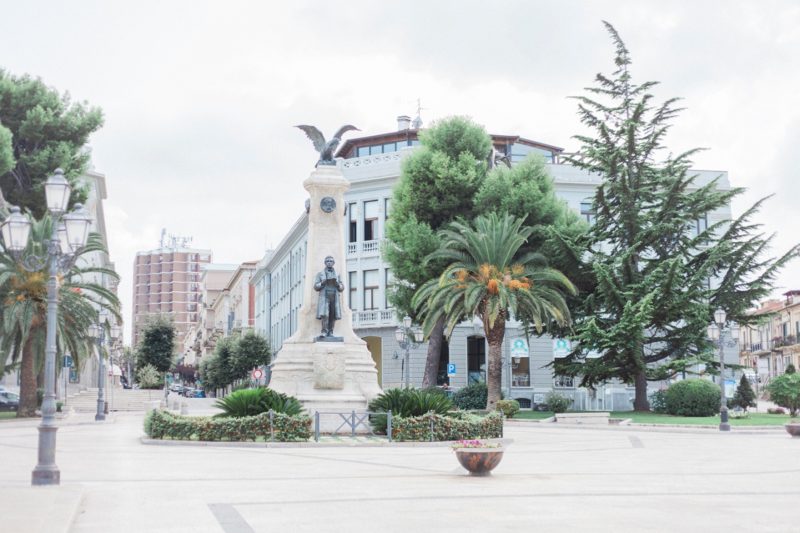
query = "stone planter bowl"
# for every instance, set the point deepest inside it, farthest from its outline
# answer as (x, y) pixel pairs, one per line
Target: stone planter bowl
(479, 461)
(793, 429)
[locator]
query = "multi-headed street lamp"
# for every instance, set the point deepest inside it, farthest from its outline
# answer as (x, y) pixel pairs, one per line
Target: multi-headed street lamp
(408, 338)
(69, 235)
(717, 331)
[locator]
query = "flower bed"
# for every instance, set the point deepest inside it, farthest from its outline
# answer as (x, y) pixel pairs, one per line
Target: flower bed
(441, 428)
(160, 424)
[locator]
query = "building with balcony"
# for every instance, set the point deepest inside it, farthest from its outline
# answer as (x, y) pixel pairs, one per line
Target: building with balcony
(773, 342)
(372, 165)
(167, 282)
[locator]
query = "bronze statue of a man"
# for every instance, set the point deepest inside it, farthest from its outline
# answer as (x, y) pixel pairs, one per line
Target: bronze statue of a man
(329, 308)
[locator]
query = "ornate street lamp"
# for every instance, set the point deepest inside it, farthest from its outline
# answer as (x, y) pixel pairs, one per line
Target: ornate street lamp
(408, 338)
(15, 232)
(98, 332)
(717, 331)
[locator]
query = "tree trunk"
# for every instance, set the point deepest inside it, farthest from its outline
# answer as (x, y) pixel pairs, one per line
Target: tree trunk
(434, 354)
(27, 389)
(640, 402)
(494, 374)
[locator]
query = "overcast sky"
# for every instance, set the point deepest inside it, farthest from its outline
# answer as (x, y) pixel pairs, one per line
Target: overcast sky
(200, 97)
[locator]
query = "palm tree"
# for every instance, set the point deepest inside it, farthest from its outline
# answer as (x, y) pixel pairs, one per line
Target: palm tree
(23, 310)
(491, 278)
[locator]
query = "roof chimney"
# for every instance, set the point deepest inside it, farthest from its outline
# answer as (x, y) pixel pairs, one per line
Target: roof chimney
(403, 122)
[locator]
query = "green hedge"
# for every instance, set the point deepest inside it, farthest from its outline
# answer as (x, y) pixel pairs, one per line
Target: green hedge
(693, 397)
(459, 427)
(160, 424)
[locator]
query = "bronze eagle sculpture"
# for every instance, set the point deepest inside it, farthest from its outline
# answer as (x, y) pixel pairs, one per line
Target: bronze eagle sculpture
(325, 148)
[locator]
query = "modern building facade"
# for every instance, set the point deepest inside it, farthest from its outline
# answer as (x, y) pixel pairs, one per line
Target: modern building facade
(167, 282)
(372, 165)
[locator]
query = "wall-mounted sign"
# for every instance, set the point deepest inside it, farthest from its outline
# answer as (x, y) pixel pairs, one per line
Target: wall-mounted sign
(519, 348)
(561, 348)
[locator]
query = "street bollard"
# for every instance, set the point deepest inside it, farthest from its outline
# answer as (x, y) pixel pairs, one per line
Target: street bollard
(316, 426)
(184, 408)
(389, 425)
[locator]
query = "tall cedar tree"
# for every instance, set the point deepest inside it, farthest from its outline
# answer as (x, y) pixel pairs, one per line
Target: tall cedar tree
(157, 346)
(47, 131)
(656, 280)
(437, 184)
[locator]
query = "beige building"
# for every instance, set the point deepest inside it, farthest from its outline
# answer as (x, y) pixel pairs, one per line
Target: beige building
(202, 334)
(167, 282)
(774, 341)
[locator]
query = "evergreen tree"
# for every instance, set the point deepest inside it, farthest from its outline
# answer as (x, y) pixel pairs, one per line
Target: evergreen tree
(251, 350)
(657, 273)
(438, 183)
(744, 396)
(157, 346)
(47, 131)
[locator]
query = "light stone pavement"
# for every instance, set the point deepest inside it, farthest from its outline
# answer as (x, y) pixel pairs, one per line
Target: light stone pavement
(551, 479)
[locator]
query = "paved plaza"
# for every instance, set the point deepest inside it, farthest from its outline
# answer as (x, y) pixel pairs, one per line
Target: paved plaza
(551, 479)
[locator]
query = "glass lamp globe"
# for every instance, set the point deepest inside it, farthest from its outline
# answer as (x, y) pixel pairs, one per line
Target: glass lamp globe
(77, 224)
(15, 230)
(57, 191)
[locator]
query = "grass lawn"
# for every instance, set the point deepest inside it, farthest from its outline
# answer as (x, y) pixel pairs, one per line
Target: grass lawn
(753, 419)
(8, 414)
(533, 415)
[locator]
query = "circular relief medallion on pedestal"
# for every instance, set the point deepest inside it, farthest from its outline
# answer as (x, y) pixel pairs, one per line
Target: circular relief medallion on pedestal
(327, 204)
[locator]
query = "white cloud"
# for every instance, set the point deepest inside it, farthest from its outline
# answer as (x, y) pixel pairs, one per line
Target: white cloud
(200, 97)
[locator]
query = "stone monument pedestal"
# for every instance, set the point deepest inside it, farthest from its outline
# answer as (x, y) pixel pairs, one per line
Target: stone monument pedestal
(333, 375)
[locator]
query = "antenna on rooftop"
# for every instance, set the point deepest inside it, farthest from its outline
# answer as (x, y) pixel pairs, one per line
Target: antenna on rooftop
(417, 122)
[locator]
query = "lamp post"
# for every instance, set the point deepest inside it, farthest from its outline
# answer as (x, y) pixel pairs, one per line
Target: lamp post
(716, 332)
(68, 237)
(98, 332)
(408, 337)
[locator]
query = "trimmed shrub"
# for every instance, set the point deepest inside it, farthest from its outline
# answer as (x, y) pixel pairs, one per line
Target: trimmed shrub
(508, 407)
(407, 403)
(790, 369)
(252, 402)
(776, 411)
(784, 390)
(658, 401)
(160, 424)
(461, 427)
(558, 403)
(693, 397)
(471, 397)
(744, 396)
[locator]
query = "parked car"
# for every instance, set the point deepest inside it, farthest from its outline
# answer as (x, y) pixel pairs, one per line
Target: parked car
(176, 387)
(188, 392)
(199, 393)
(9, 401)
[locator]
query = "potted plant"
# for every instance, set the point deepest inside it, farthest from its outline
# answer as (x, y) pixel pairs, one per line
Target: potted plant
(477, 456)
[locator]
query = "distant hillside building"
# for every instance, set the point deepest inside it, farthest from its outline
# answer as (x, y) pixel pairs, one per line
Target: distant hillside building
(167, 282)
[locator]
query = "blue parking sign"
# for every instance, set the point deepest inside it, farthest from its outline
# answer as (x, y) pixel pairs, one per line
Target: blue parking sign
(451, 369)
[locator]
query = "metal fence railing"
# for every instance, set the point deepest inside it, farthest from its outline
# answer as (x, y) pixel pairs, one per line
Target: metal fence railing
(352, 420)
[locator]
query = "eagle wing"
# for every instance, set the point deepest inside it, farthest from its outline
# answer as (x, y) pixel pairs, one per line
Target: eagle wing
(343, 130)
(315, 135)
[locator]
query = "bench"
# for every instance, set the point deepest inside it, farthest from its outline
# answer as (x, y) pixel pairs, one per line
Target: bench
(583, 418)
